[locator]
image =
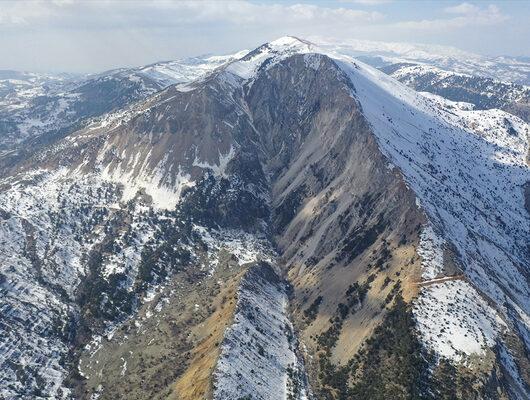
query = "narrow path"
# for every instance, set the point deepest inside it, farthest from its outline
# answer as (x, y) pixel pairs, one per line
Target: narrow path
(440, 280)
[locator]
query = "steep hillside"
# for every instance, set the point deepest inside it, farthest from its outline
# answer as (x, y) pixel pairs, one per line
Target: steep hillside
(293, 225)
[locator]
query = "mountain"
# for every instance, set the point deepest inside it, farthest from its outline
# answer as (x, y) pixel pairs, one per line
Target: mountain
(18, 90)
(186, 70)
(379, 54)
(293, 225)
(30, 84)
(37, 107)
(484, 93)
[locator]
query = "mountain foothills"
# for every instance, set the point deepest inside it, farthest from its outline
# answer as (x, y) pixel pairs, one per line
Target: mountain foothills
(284, 223)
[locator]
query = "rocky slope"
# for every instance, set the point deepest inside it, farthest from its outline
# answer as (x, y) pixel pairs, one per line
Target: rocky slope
(295, 224)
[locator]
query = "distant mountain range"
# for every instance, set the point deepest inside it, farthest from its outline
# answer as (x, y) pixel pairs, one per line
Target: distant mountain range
(379, 54)
(484, 93)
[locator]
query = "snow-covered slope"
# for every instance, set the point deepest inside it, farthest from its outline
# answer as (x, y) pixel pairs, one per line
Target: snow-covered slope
(259, 353)
(186, 70)
(468, 169)
(478, 165)
(42, 264)
(19, 91)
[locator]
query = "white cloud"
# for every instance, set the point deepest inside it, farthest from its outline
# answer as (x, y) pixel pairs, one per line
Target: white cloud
(157, 14)
(463, 8)
(22, 12)
(78, 35)
(468, 16)
(166, 12)
(367, 2)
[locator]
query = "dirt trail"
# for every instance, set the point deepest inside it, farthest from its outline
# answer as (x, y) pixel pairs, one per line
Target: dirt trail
(441, 280)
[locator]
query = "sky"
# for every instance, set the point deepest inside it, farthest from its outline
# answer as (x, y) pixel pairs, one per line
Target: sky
(96, 35)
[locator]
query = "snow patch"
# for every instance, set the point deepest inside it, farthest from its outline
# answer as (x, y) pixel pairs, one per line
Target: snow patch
(259, 352)
(431, 252)
(454, 320)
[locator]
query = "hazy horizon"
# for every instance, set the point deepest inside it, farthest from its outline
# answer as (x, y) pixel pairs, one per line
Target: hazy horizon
(89, 37)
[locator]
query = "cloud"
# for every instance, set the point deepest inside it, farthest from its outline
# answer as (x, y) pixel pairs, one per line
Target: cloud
(468, 16)
(463, 8)
(367, 2)
(160, 13)
(22, 12)
(77, 35)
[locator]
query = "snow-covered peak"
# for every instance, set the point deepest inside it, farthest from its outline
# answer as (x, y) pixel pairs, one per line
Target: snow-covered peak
(290, 42)
(467, 168)
(271, 53)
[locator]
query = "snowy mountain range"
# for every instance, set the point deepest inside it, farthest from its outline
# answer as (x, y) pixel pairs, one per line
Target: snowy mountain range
(378, 54)
(484, 93)
(284, 223)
